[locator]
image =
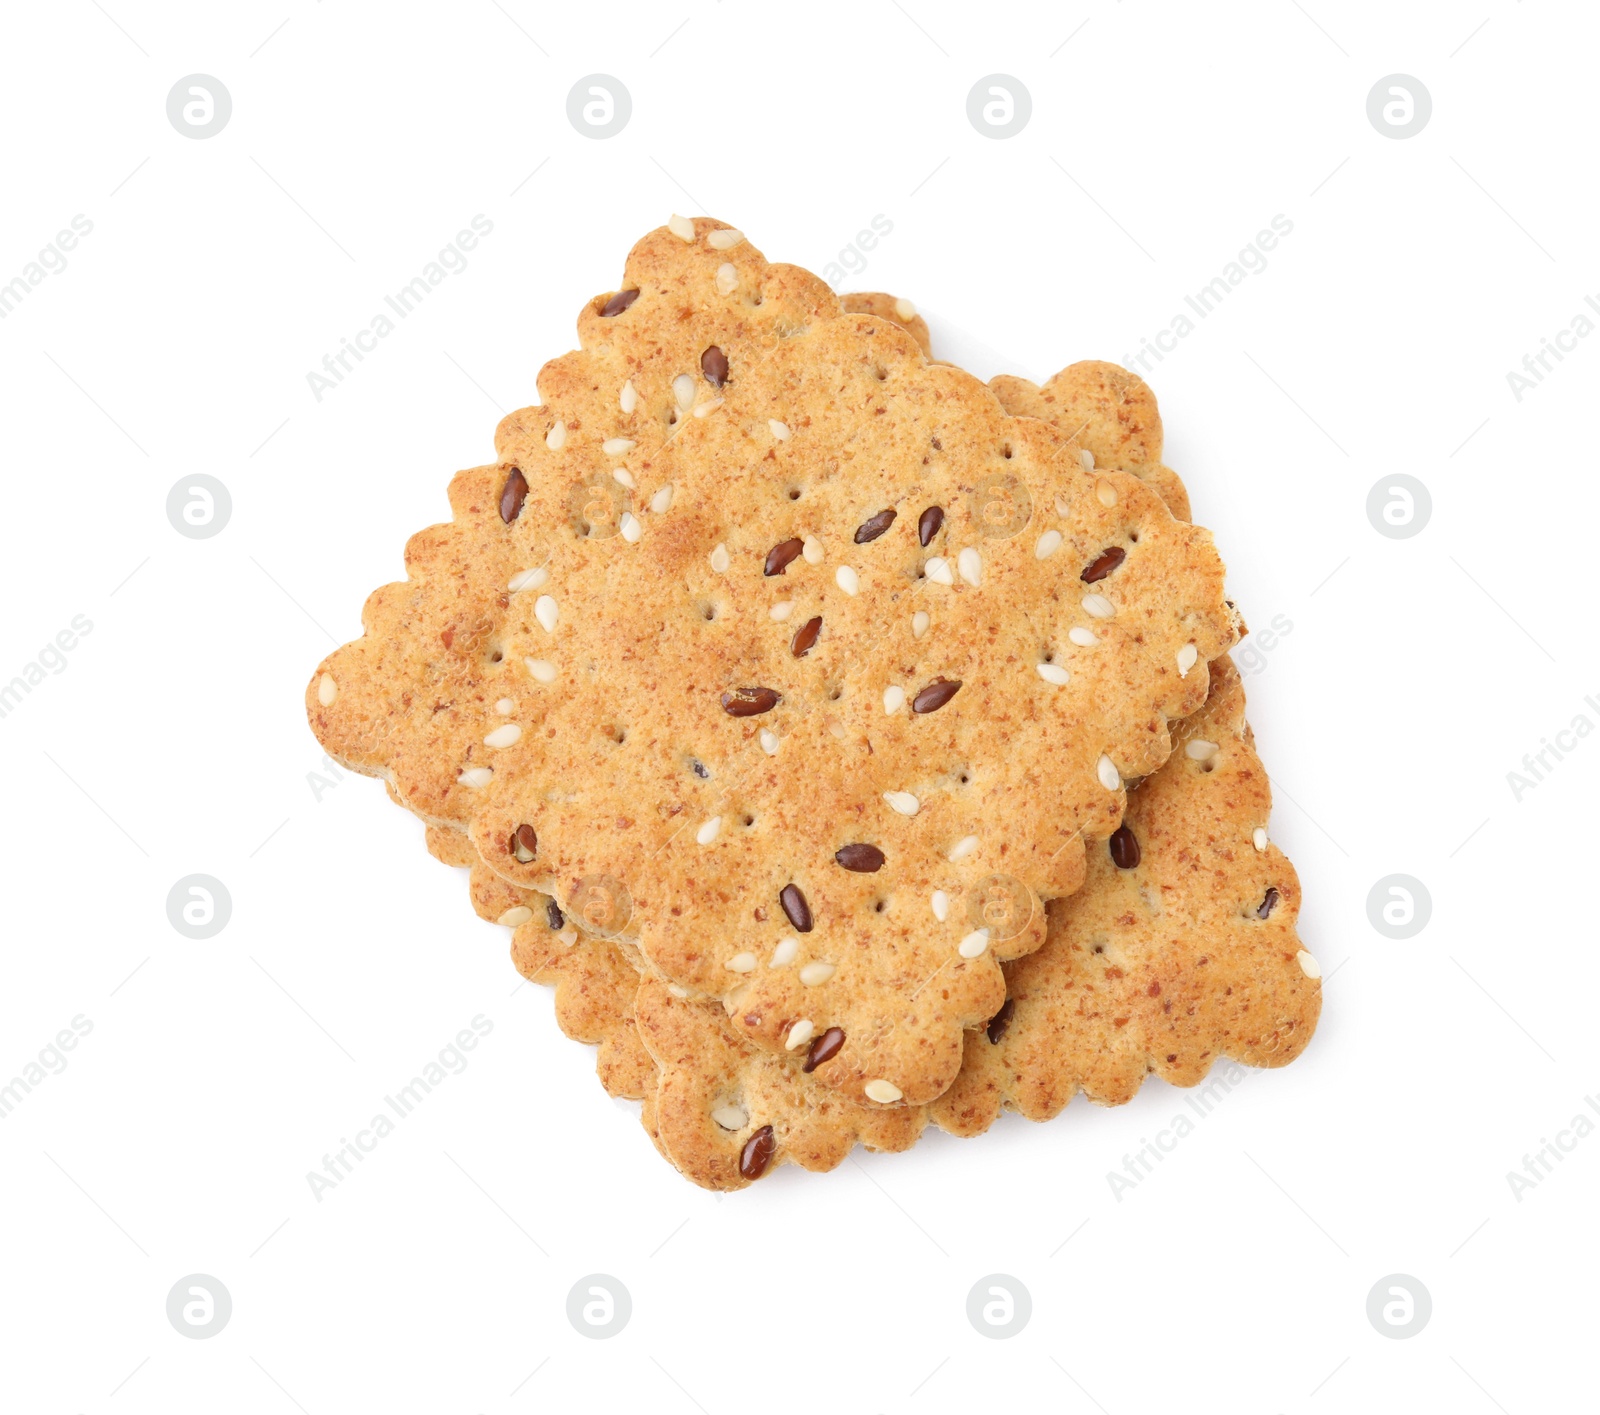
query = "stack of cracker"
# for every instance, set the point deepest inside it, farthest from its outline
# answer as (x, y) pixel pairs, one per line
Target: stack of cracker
(850, 744)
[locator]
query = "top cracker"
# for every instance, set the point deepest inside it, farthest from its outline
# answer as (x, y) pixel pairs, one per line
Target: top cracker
(786, 653)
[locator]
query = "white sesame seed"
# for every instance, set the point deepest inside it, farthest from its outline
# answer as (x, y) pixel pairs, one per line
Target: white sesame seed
(919, 623)
(812, 550)
(683, 390)
(847, 580)
(884, 1092)
(799, 1034)
(528, 579)
(1099, 606)
(720, 559)
(1048, 544)
(1083, 638)
(676, 991)
(815, 973)
(894, 698)
(902, 801)
(729, 1117)
(1062, 506)
(1106, 492)
(681, 227)
(630, 527)
(661, 502)
(905, 309)
(623, 477)
(503, 736)
(706, 409)
(475, 776)
(785, 953)
(780, 611)
(971, 566)
(727, 278)
(708, 832)
(937, 569)
(617, 446)
(1258, 838)
(778, 430)
(569, 936)
(1087, 458)
(556, 438)
(522, 853)
(1054, 673)
(1199, 750)
(1107, 771)
(967, 845)
(542, 669)
(741, 963)
(1309, 965)
(1188, 655)
(975, 944)
(769, 741)
(629, 399)
(545, 611)
(515, 917)
(505, 707)
(941, 905)
(327, 690)
(724, 240)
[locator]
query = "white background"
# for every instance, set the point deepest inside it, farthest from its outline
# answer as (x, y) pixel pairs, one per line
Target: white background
(1416, 675)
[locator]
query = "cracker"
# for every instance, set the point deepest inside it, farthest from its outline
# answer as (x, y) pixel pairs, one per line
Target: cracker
(654, 628)
(894, 309)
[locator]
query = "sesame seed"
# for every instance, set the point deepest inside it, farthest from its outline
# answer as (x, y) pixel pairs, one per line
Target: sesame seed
(542, 669)
(727, 278)
(1107, 771)
(847, 580)
(327, 690)
(1054, 673)
(706, 408)
(729, 1117)
(1062, 507)
(975, 944)
(629, 400)
(630, 527)
(894, 698)
(503, 736)
(616, 446)
(919, 623)
(720, 559)
(1087, 458)
(814, 974)
(941, 905)
(1083, 638)
(1258, 838)
(515, 917)
(661, 502)
(505, 707)
(785, 953)
(623, 477)
(545, 611)
(1106, 492)
(967, 845)
(769, 741)
(902, 801)
(569, 936)
(556, 438)
(1309, 965)
(681, 227)
(676, 991)
(905, 309)
(741, 963)
(800, 1034)
(1099, 606)
(528, 579)
(724, 240)
(708, 832)
(1048, 544)
(812, 550)
(884, 1092)
(475, 776)
(780, 611)
(1199, 750)
(971, 566)
(778, 430)
(937, 569)
(1188, 655)
(683, 390)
